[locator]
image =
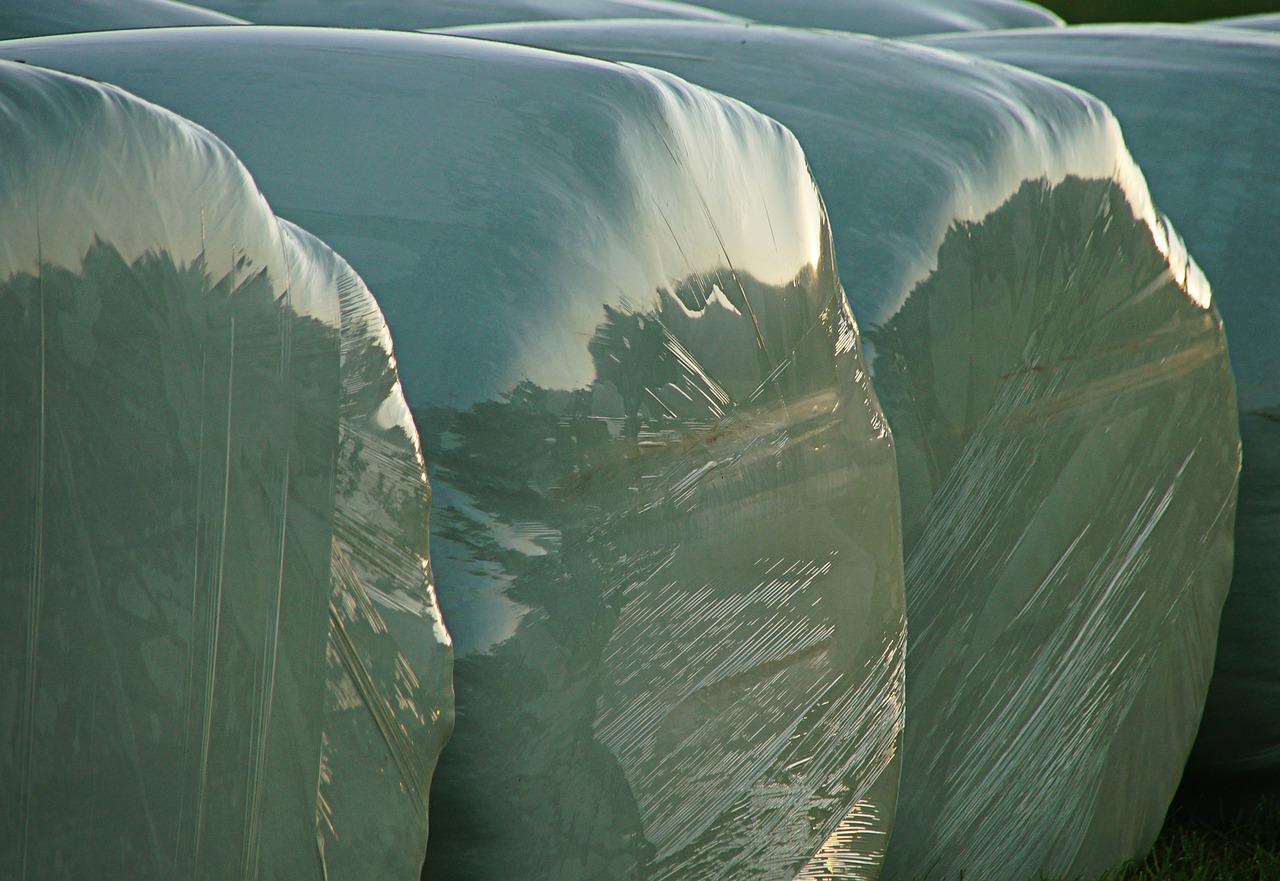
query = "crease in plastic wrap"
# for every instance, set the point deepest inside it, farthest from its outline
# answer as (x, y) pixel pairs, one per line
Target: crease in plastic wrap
(1201, 111)
(200, 415)
(1055, 374)
(666, 519)
(29, 18)
(408, 15)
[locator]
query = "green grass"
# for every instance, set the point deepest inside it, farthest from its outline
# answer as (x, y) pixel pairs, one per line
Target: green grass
(1213, 844)
(1078, 11)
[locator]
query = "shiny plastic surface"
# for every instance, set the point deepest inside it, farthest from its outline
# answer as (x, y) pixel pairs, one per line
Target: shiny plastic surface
(38, 18)
(889, 18)
(666, 518)
(1201, 109)
(408, 15)
(1264, 22)
(1063, 415)
(209, 470)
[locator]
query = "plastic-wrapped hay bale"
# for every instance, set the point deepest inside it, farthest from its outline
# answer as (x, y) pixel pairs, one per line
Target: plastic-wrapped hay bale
(666, 519)
(1201, 109)
(34, 19)
(1057, 384)
(891, 18)
(207, 462)
(389, 685)
(408, 15)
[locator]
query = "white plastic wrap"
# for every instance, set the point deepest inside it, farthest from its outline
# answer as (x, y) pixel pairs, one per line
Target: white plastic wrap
(1201, 109)
(408, 15)
(38, 18)
(666, 527)
(1264, 22)
(211, 495)
(1056, 379)
(889, 18)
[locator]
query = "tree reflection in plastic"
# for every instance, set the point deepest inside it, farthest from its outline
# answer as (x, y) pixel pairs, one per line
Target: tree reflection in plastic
(1049, 360)
(521, 215)
(180, 374)
(1088, 577)
(1198, 109)
(664, 585)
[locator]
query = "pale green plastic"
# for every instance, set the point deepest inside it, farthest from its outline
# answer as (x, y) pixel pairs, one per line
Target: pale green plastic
(1056, 379)
(221, 644)
(666, 527)
(38, 18)
(1201, 109)
(408, 15)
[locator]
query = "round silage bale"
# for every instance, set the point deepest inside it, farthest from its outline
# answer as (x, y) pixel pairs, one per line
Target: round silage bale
(1200, 107)
(1056, 378)
(665, 531)
(184, 382)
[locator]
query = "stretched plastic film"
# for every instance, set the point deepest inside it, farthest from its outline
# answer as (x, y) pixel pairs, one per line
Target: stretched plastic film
(206, 461)
(1201, 110)
(408, 15)
(889, 18)
(1264, 22)
(1055, 376)
(25, 18)
(666, 517)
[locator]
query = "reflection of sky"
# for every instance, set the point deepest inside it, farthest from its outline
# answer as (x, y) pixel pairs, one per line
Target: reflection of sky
(616, 182)
(480, 614)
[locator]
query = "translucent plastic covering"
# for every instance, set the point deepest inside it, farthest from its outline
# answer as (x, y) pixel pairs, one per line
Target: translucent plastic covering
(38, 18)
(214, 504)
(1057, 384)
(1265, 22)
(1201, 110)
(666, 521)
(889, 18)
(408, 15)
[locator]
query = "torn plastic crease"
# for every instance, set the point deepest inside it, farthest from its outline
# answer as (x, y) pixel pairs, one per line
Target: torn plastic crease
(1201, 111)
(409, 15)
(666, 527)
(1055, 374)
(22, 18)
(193, 404)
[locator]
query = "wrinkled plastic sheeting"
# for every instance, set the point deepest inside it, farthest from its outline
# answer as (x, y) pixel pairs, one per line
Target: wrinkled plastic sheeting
(32, 18)
(1201, 110)
(889, 18)
(1055, 376)
(666, 518)
(215, 509)
(1264, 22)
(408, 15)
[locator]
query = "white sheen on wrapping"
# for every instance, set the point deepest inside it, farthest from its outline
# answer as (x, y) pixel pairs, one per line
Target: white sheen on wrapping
(1055, 375)
(666, 530)
(193, 486)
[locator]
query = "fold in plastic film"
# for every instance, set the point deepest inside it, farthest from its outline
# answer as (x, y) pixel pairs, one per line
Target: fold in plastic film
(665, 530)
(1201, 111)
(183, 377)
(31, 19)
(1056, 379)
